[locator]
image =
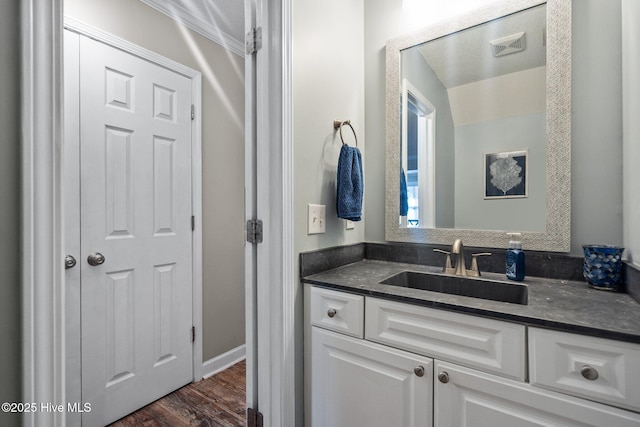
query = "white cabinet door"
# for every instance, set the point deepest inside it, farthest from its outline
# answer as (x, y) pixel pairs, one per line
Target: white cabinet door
(358, 383)
(470, 398)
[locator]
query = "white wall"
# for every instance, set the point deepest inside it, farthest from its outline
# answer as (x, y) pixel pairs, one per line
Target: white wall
(10, 302)
(513, 94)
(596, 119)
(631, 127)
(223, 153)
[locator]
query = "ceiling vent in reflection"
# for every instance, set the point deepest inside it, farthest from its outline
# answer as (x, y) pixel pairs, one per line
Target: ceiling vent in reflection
(509, 44)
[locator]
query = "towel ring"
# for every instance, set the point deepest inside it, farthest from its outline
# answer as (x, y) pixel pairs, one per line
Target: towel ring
(337, 124)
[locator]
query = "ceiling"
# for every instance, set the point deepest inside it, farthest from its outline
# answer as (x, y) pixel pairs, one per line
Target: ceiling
(466, 56)
(219, 20)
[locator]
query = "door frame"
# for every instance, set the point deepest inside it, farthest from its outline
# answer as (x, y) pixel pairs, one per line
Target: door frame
(42, 231)
(277, 348)
(74, 344)
(48, 339)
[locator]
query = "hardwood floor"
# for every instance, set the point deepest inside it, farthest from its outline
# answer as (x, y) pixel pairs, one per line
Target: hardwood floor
(216, 401)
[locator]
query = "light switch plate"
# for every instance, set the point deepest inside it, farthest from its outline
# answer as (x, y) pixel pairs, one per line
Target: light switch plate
(349, 224)
(317, 219)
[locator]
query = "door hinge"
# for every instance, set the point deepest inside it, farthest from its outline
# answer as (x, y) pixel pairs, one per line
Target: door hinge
(254, 418)
(193, 334)
(254, 231)
(193, 223)
(254, 40)
(193, 112)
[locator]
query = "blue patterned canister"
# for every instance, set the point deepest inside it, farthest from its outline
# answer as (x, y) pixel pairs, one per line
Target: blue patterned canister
(603, 266)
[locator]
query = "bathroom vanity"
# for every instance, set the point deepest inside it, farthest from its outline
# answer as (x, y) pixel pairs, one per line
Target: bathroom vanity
(395, 344)
(380, 355)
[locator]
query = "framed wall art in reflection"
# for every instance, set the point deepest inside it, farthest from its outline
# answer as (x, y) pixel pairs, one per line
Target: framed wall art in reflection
(505, 175)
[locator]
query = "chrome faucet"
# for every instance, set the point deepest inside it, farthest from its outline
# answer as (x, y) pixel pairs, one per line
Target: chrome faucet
(460, 269)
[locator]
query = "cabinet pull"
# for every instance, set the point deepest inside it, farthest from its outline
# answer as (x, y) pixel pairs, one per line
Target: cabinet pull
(443, 377)
(589, 373)
(419, 371)
(332, 312)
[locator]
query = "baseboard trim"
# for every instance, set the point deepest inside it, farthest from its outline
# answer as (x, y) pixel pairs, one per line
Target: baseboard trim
(222, 362)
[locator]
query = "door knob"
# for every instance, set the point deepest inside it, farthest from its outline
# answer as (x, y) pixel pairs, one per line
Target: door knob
(69, 262)
(95, 258)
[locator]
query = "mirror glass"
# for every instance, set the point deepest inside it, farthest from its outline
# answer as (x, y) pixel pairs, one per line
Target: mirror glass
(469, 134)
(473, 126)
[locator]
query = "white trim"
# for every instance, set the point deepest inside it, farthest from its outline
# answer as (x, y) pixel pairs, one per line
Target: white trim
(126, 46)
(426, 145)
(200, 26)
(630, 129)
(196, 188)
(290, 368)
(250, 205)
(224, 361)
(74, 343)
(269, 253)
(277, 283)
(71, 161)
(43, 327)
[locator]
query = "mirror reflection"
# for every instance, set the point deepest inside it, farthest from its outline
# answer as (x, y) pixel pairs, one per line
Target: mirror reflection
(473, 127)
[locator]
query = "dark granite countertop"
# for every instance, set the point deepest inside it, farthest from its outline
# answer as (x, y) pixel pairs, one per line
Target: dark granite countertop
(554, 304)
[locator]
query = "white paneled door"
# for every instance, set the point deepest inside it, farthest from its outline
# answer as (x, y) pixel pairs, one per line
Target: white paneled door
(135, 231)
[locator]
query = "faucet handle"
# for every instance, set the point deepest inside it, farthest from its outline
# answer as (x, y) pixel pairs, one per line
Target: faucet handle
(448, 269)
(475, 271)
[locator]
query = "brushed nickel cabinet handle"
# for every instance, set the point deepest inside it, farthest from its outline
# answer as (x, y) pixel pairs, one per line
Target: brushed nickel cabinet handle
(419, 371)
(589, 373)
(443, 377)
(332, 312)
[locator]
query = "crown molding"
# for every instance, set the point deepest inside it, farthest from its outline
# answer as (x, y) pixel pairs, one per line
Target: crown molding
(206, 29)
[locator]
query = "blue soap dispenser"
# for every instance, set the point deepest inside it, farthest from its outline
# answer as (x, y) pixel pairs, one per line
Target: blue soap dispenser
(515, 258)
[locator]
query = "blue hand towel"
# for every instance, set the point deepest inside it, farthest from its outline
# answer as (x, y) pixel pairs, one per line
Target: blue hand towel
(350, 184)
(404, 197)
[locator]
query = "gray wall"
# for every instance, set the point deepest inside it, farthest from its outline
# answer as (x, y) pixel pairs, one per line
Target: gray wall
(383, 20)
(631, 127)
(526, 131)
(596, 143)
(222, 147)
(597, 118)
(328, 84)
(10, 321)
(421, 75)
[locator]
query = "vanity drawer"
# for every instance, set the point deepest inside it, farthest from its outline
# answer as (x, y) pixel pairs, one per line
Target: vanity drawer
(337, 311)
(487, 344)
(594, 368)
